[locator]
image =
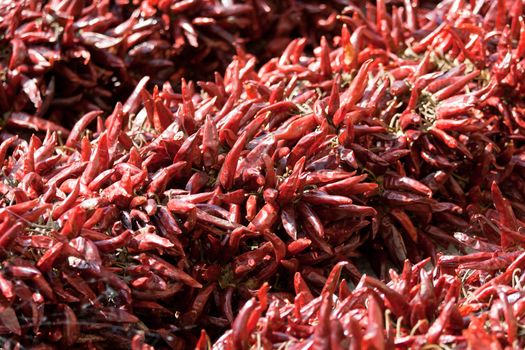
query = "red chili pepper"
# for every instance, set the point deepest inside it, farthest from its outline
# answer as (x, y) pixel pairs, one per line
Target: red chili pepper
(227, 172)
(264, 219)
(26, 121)
(10, 233)
(289, 186)
(161, 179)
(80, 126)
(210, 143)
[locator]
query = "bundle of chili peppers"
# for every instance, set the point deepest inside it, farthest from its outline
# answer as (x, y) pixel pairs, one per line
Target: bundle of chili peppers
(63, 58)
(239, 202)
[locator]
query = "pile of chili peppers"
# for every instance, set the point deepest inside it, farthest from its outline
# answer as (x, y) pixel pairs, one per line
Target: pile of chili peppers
(63, 58)
(365, 194)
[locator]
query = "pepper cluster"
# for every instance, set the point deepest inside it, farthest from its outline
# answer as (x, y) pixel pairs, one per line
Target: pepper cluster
(238, 202)
(63, 58)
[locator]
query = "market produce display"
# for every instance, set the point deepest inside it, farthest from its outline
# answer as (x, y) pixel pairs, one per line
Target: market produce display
(362, 189)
